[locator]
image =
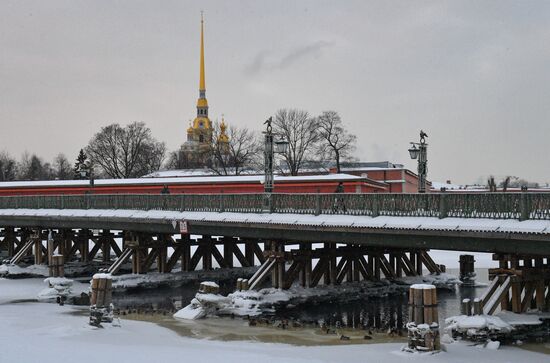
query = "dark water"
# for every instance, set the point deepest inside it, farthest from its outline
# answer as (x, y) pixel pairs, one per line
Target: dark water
(363, 313)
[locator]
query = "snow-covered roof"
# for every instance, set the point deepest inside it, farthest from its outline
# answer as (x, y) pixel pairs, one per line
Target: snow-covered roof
(192, 172)
(181, 180)
(438, 185)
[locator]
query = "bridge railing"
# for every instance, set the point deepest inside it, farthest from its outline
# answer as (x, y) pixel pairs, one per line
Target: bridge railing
(520, 206)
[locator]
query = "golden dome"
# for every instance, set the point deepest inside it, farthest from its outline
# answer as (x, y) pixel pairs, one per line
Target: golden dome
(223, 136)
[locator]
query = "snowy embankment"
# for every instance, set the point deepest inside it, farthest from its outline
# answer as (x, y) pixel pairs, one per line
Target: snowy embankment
(58, 335)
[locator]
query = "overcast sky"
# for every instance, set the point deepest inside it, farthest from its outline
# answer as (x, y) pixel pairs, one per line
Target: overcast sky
(473, 74)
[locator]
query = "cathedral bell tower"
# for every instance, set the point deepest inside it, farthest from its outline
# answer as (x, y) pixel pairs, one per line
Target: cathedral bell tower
(201, 129)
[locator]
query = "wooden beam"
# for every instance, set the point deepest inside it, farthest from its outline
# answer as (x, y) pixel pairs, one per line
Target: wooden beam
(292, 273)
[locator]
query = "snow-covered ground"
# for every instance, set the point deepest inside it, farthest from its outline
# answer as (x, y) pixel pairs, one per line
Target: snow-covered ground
(33, 332)
(40, 332)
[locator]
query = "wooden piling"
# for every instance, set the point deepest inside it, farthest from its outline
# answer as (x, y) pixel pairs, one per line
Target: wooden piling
(423, 323)
(56, 267)
(101, 291)
(467, 273)
(101, 309)
(466, 307)
(478, 308)
(38, 250)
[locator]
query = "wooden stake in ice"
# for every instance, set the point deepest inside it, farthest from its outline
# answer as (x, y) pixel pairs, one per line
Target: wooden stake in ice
(101, 308)
(423, 323)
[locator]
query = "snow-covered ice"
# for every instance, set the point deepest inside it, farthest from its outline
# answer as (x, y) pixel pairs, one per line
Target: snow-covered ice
(30, 289)
(59, 336)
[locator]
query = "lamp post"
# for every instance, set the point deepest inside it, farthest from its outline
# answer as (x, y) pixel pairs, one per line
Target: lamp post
(86, 172)
(281, 147)
(419, 150)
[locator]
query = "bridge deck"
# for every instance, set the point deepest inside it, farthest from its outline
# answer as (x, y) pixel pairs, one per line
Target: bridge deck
(468, 234)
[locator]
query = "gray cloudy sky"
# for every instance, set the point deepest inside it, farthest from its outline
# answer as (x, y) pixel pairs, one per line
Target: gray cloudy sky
(473, 74)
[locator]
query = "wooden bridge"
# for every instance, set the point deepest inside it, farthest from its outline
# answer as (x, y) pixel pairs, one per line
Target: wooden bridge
(363, 236)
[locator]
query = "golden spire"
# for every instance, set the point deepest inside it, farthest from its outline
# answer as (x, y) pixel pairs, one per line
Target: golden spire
(202, 123)
(202, 82)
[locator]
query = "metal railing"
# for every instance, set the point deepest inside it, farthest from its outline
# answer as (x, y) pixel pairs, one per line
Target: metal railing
(520, 206)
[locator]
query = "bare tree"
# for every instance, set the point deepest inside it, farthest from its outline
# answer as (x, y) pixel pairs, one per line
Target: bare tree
(234, 155)
(300, 130)
(491, 184)
(335, 141)
(62, 168)
(126, 152)
(8, 167)
(179, 159)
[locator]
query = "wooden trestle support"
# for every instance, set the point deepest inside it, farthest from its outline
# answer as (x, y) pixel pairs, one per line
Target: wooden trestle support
(334, 264)
(142, 249)
(145, 249)
(521, 282)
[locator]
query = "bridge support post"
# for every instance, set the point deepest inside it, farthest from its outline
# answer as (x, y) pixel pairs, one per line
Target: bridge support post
(82, 242)
(305, 271)
(104, 240)
(467, 273)
(185, 253)
(333, 264)
(24, 235)
(249, 252)
(10, 240)
(38, 250)
(278, 272)
(228, 248)
(206, 244)
(162, 255)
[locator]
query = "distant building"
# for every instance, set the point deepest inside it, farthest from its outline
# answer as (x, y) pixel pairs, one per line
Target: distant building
(396, 177)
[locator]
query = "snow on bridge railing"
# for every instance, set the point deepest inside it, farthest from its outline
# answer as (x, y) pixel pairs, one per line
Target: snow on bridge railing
(520, 206)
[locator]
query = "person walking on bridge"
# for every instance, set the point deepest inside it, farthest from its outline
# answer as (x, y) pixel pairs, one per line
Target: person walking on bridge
(339, 199)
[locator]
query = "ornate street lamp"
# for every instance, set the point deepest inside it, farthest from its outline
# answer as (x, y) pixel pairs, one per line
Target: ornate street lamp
(86, 171)
(419, 150)
(281, 147)
(414, 152)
